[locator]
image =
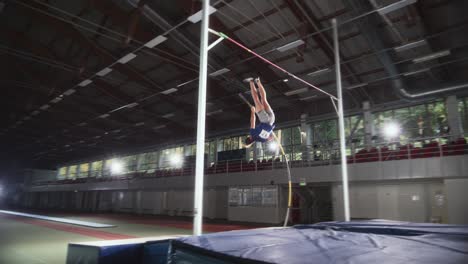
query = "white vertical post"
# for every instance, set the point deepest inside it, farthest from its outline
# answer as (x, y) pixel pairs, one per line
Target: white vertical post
(200, 164)
(344, 165)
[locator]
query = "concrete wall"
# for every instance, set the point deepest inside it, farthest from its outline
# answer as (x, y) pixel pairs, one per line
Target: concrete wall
(404, 201)
(457, 200)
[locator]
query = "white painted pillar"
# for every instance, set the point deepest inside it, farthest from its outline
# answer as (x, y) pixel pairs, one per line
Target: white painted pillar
(369, 128)
(453, 117)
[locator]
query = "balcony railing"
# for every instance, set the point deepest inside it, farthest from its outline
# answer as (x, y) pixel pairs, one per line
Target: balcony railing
(429, 147)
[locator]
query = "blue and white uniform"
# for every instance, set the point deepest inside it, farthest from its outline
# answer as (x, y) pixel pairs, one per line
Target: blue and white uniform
(262, 132)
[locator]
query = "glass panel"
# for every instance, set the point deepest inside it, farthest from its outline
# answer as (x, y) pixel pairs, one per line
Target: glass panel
(62, 172)
(72, 171)
(234, 197)
(84, 170)
(269, 196)
(96, 168)
(257, 196)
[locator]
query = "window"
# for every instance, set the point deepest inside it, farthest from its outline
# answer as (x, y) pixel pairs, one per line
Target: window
(62, 172)
(148, 161)
(84, 170)
(255, 196)
(463, 109)
(129, 163)
(96, 169)
(72, 171)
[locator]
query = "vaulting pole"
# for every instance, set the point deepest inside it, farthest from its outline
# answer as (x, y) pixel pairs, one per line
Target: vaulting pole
(200, 154)
(344, 164)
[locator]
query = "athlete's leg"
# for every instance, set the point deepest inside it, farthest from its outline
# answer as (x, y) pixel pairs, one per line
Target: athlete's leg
(264, 100)
(258, 104)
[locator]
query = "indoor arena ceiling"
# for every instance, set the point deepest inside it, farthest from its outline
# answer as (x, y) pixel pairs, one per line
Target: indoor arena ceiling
(49, 50)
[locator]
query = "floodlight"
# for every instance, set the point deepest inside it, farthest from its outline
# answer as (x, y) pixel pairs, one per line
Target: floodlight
(391, 130)
(176, 160)
(116, 167)
(273, 146)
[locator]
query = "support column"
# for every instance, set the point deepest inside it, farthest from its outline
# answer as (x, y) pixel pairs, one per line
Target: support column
(453, 117)
(306, 136)
(369, 128)
(200, 164)
(344, 165)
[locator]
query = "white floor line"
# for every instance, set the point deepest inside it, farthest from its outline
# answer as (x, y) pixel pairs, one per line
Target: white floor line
(58, 219)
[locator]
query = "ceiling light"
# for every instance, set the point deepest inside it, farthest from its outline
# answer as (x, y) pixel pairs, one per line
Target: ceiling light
(159, 127)
(131, 105)
(156, 41)
(432, 56)
(96, 137)
(286, 80)
(81, 141)
(219, 72)
(185, 83)
(127, 58)
(26, 118)
(319, 72)
(139, 124)
(410, 45)
(104, 72)
(85, 82)
(297, 91)
(169, 91)
(214, 112)
(44, 107)
(69, 92)
(104, 116)
(416, 72)
(81, 124)
(359, 85)
(35, 112)
(395, 6)
(290, 45)
(198, 15)
(307, 98)
(116, 131)
(56, 100)
(168, 115)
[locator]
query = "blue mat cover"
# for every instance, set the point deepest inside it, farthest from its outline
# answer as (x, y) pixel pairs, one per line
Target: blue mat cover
(376, 241)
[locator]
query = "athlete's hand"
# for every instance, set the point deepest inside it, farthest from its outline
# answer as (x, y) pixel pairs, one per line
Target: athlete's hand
(252, 109)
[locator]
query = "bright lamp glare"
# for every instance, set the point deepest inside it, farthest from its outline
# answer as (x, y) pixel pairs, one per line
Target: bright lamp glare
(116, 167)
(391, 130)
(176, 160)
(273, 146)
